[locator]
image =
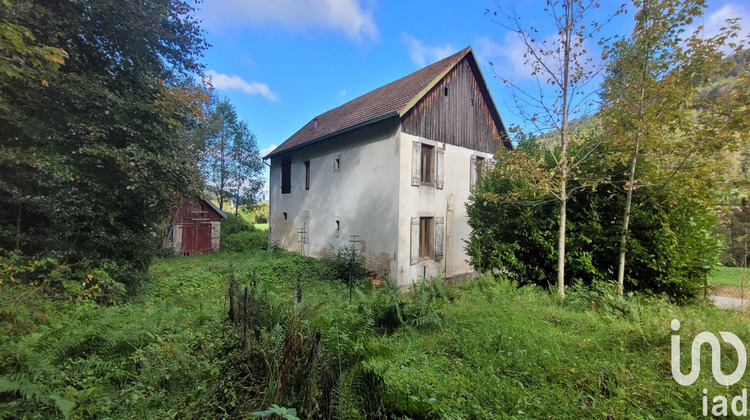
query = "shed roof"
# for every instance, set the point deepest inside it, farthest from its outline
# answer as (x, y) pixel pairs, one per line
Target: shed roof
(392, 100)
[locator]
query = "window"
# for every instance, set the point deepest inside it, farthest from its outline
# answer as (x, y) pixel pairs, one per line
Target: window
(425, 237)
(445, 92)
(478, 168)
(286, 174)
(284, 215)
(307, 174)
(337, 163)
(426, 176)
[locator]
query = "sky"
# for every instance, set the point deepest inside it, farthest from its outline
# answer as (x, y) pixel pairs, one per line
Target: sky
(283, 62)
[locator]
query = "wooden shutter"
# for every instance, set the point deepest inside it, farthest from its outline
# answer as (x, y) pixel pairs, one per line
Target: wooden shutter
(473, 171)
(414, 240)
(439, 237)
(416, 163)
(439, 167)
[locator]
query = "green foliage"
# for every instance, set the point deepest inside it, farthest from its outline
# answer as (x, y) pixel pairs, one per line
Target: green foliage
(480, 349)
(671, 248)
(251, 240)
(283, 412)
(229, 226)
(345, 263)
(92, 152)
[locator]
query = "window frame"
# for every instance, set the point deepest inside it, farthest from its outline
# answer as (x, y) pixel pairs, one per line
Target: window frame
(478, 165)
(307, 175)
(426, 238)
(286, 175)
(427, 165)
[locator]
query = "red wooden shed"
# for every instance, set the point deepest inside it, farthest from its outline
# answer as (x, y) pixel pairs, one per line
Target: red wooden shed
(196, 228)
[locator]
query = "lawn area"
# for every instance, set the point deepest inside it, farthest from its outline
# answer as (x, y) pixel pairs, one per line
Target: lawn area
(480, 350)
(261, 226)
(730, 276)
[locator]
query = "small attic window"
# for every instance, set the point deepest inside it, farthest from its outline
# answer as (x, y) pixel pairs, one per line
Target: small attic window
(337, 163)
(285, 215)
(472, 101)
(315, 123)
(445, 91)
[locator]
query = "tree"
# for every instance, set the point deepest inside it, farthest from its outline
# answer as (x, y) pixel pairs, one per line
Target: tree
(564, 66)
(91, 153)
(650, 96)
(246, 176)
(231, 161)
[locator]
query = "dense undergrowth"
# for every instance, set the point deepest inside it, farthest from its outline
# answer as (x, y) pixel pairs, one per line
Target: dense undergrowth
(483, 349)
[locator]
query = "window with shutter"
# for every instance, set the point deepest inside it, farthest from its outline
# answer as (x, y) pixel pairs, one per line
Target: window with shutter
(439, 152)
(414, 240)
(416, 163)
(439, 237)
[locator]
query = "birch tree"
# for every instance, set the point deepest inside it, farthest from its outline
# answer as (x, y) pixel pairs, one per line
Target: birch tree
(561, 65)
(650, 97)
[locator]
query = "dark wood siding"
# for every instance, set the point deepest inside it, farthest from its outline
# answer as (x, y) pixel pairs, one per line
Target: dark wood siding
(458, 115)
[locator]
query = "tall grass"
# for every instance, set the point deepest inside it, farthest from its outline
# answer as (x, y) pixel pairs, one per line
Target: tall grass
(484, 349)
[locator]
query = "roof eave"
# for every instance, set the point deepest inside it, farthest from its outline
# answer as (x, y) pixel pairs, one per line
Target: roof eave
(371, 121)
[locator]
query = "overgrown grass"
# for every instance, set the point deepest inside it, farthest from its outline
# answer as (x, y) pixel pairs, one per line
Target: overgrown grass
(730, 276)
(475, 350)
(261, 226)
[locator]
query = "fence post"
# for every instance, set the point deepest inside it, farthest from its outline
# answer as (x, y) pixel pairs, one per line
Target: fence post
(298, 291)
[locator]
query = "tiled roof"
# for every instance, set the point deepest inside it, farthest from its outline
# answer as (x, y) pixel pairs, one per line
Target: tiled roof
(391, 100)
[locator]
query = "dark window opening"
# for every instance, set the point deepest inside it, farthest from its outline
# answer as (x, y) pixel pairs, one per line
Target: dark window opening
(445, 91)
(336, 164)
(286, 175)
(472, 101)
(425, 237)
(338, 225)
(427, 164)
(307, 174)
(285, 215)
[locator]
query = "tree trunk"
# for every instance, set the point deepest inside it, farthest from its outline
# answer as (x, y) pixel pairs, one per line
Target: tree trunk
(236, 207)
(620, 287)
(564, 156)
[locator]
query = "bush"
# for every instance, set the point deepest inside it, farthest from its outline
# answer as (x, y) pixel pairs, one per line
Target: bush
(344, 261)
(514, 229)
(243, 225)
(245, 241)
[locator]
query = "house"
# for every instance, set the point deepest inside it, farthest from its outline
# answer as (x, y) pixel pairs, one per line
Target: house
(195, 227)
(389, 172)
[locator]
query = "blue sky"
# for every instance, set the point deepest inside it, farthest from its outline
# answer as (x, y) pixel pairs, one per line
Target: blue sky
(282, 62)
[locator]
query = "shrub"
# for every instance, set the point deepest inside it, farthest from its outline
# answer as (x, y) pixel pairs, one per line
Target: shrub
(243, 225)
(345, 261)
(245, 241)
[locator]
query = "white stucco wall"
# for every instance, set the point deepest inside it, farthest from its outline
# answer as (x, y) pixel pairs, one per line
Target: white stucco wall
(362, 196)
(372, 196)
(428, 201)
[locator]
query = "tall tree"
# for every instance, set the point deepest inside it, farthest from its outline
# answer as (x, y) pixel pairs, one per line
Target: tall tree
(246, 175)
(223, 126)
(91, 153)
(563, 65)
(650, 96)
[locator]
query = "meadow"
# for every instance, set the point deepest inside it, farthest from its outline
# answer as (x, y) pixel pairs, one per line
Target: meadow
(481, 349)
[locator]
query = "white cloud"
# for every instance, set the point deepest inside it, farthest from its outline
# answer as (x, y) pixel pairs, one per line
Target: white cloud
(346, 16)
(715, 21)
(507, 58)
(342, 92)
(423, 54)
(223, 81)
(267, 150)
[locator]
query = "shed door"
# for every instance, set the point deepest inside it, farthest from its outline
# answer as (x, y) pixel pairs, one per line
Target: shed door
(204, 238)
(196, 239)
(189, 243)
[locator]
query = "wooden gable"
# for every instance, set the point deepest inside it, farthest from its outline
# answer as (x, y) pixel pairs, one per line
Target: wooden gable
(457, 110)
